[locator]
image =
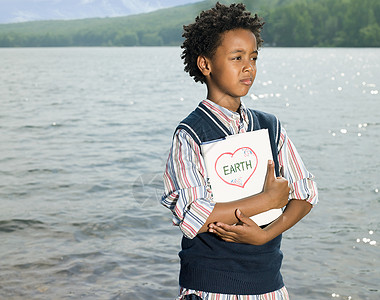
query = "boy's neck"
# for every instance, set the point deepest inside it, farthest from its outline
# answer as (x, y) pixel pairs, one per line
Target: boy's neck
(232, 104)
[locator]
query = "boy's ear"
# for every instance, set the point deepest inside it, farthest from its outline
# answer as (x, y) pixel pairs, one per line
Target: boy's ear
(204, 65)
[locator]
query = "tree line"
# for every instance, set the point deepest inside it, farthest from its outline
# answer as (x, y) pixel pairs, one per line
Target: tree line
(325, 23)
(299, 23)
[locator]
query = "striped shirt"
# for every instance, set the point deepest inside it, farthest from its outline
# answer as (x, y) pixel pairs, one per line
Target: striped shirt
(281, 294)
(187, 193)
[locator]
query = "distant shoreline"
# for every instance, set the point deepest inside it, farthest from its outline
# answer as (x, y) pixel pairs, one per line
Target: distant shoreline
(292, 23)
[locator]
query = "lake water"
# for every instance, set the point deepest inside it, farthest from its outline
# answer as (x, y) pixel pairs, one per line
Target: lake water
(84, 135)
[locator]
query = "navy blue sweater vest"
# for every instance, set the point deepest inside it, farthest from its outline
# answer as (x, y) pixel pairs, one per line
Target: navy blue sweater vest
(212, 265)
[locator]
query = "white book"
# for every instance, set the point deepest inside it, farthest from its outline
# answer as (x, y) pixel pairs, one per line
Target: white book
(237, 166)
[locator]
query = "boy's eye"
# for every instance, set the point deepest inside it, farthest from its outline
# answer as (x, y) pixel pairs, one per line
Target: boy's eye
(240, 58)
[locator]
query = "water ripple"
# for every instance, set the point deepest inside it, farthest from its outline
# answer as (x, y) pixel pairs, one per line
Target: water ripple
(19, 224)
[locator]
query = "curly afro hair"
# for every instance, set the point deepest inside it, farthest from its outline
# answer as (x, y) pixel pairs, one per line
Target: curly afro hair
(204, 35)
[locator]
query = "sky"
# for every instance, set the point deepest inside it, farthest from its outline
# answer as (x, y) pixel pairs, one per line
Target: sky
(13, 11)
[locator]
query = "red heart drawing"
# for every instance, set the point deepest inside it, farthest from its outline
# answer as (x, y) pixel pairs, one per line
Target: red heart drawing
(238, 167)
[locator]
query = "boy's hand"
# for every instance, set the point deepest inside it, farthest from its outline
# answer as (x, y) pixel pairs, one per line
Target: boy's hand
(277, 189)
(246, 231)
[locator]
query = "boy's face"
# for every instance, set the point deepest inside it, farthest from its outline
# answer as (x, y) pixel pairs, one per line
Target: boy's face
(232, 69)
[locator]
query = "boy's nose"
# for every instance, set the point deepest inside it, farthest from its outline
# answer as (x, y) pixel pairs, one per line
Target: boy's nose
(249, 66)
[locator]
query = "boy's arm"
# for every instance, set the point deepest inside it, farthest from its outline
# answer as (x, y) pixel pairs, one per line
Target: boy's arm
(248, 232)
(275, 195)
(294, 212)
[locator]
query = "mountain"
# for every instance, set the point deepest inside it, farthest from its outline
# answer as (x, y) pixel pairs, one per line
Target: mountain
(31, 10)
(289, 23)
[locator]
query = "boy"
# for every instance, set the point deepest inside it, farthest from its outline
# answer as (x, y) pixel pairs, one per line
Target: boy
(220, 260)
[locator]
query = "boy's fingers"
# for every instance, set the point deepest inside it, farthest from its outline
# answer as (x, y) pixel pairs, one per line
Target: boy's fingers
(219, 228)
(221, 232)
(244, 220)
(270, 170)
(281, 171)
(224, 228)
(242, 217)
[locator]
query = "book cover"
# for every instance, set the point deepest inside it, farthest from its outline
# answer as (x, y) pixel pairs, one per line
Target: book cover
(237, 167)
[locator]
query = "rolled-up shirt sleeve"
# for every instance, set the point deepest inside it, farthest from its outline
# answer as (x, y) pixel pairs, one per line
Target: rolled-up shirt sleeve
(301, 181)
(187, 193)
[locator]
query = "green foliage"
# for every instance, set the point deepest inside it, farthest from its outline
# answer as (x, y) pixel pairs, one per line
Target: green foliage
(370, 35)
(289, 23)
(125, 39)
(334, 23)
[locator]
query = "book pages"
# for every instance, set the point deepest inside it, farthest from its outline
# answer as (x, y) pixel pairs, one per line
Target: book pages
(237, 167)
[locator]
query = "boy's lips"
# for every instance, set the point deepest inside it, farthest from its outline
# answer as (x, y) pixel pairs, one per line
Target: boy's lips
(247, 81)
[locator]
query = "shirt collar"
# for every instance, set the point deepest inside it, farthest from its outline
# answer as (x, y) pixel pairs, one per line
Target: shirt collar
(225, 115)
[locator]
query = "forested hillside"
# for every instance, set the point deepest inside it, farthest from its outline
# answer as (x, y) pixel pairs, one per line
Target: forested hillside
(339, 23)
(289, 23)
